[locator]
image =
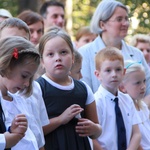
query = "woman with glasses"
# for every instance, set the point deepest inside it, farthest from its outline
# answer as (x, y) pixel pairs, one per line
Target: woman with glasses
(110, 21)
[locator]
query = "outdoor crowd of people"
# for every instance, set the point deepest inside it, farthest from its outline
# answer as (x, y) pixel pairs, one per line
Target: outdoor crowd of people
(89, 94)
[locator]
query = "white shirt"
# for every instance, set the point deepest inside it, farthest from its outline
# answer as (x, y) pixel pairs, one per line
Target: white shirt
(38, 113)
(2, 142)
(11, 109)
(89, 51)
(106, 116)
(144, 126)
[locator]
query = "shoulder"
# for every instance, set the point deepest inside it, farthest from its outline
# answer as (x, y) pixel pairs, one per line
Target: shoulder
(124, 97)
(132, 48)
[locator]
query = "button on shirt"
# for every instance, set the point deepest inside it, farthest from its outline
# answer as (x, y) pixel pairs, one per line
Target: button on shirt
(106, 115)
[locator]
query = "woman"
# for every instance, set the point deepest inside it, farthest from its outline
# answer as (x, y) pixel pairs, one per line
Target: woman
(110, 21)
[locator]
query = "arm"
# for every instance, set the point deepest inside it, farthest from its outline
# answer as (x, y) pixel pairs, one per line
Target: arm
(42, 148)
(64, 118)
(90, 126)
(135, 138)
(18, 128)
(96, 145)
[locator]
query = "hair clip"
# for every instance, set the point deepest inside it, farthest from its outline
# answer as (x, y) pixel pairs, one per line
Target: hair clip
(132, 64)
(15, 53)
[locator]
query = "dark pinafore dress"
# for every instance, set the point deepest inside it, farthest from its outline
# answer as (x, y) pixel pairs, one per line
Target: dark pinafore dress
(57, 101)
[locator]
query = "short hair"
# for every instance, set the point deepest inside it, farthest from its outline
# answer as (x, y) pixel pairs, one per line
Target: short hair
(103, 12)
(43, 9)
(108, 53)
(143, 38)
(52, 33)
(25, 50)
(77, 58)
(14, 22)
(85, 30)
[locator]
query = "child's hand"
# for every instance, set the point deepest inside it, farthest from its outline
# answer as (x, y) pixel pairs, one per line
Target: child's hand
(19, 124)
(86, 127)
(70, 113)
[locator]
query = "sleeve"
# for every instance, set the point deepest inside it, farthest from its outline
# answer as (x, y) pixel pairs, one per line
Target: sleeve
(42, 109)
(98, 107)
(90, 95)
(2, 142)
(135, 116)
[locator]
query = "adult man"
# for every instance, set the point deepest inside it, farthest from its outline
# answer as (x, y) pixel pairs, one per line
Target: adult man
(53, 14)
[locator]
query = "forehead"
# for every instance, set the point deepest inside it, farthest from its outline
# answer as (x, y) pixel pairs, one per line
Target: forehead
(119, 11)
(110, 63)
(55, 10)
(14, 31)
(36, 26)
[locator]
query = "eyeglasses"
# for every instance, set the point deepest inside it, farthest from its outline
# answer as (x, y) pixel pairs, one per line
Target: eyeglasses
(121, 20)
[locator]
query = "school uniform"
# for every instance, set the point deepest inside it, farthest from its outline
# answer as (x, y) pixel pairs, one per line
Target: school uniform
(2, 142)
(57, 99)
(89, 51)
(38, 114)
(106, 114)
(144, 126)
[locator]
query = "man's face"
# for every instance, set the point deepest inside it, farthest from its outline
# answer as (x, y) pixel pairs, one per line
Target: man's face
(54, 17)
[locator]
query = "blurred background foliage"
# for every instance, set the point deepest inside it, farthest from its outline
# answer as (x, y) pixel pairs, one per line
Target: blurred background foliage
(79, 12)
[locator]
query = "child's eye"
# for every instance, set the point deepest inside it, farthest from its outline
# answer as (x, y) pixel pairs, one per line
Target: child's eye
(50, 54)
(118, 69)
(24, 76)
(108, 70)
(64, 52)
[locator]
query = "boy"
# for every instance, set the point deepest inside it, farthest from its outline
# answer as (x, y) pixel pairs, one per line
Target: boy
(14, 27)
(110, 71)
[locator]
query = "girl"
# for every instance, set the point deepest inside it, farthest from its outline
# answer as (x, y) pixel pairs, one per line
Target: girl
(65, 98)
(19, 61)
(134, 84)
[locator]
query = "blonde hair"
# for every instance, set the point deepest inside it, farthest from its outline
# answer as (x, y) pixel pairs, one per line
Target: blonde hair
(52, 33)
(25, 50)
(108, 53)
(85, 30)
(130, 67)
(143, 38)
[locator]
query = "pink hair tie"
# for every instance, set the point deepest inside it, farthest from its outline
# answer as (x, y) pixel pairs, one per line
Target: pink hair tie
(15, 53)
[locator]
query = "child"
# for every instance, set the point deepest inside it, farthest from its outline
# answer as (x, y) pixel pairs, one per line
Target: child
(84, 36)
(76, 67)
(19, 61)
(65, 98)
(35, 101)
(16, 132)
(14, 26)
(110, 71)
(134, 84)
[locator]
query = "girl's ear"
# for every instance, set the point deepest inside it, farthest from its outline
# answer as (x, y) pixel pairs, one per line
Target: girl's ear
(122, 88)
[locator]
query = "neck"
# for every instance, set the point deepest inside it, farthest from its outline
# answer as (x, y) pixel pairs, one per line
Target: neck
(108, 41)
(4, 90)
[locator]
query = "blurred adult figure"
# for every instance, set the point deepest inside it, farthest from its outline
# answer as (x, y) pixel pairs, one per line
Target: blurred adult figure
(142, 42)
(110, 21)
(53, 14)
(35, 24)
(4, 14)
